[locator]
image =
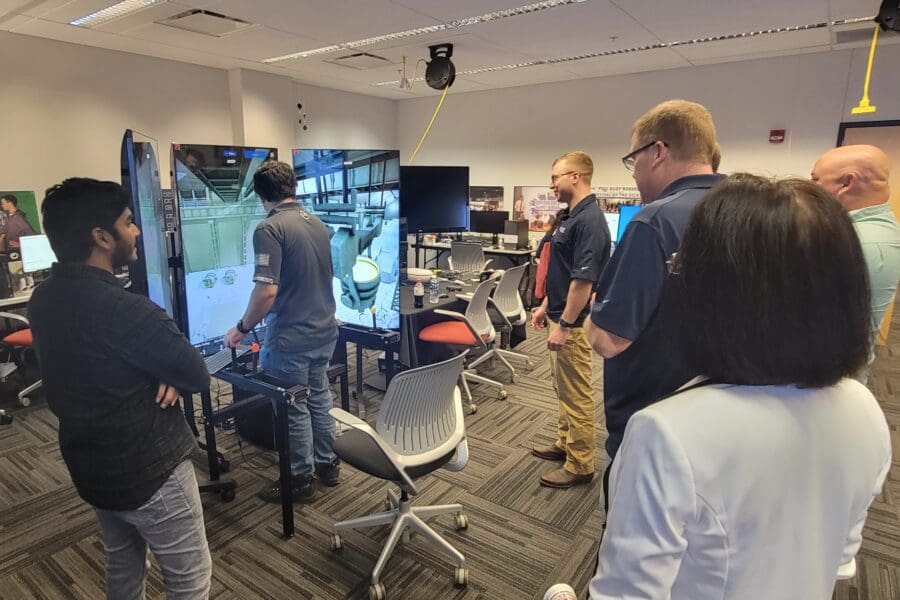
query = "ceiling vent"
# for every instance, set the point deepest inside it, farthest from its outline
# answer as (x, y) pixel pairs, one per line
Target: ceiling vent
(206, 22)
(360, 61)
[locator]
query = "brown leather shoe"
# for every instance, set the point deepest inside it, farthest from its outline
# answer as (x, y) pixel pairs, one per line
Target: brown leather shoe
(551, 452)
(560, 478)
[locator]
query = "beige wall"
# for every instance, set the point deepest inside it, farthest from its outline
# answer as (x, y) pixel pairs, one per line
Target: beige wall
(510, 136)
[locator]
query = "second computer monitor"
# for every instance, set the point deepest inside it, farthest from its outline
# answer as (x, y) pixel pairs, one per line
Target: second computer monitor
(37, 255)
(488, 221)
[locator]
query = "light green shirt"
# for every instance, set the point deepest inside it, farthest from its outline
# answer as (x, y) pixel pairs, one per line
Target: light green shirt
(880, 238)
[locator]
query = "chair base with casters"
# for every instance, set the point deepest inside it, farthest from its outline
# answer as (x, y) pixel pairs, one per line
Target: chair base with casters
(420, 429)
(405, 519)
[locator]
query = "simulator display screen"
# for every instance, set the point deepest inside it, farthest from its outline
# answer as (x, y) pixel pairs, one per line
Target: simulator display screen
(140, 176)
(218, 212)
(356, 193)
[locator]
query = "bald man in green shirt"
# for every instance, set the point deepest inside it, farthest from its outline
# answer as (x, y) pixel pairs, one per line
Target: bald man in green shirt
(858, 176)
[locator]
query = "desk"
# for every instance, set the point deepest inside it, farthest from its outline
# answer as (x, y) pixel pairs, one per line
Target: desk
(259, 391)
(17, 301)
(413, 320)
(517, 257)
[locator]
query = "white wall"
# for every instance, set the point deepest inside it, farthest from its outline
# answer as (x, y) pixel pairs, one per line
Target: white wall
(65, 107)
(344, 120)
(510, 136)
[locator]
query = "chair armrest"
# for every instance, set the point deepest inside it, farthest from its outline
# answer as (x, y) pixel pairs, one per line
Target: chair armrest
(461, 317)
(15, 317)
(486, 263)
(450, 313)
(506, 322)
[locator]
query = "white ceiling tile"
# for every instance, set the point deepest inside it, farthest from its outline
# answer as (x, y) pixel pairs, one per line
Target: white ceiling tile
(523, 76)
(39, 9)
(567, 31)
(61, 32)
(255, 43)
(70, 11)
(150, 14)
(849, 9)
(11, 21)
(9, 6)
(689, 19)
(649, 60)
(459, 9)
(776, 42)
(329, 21)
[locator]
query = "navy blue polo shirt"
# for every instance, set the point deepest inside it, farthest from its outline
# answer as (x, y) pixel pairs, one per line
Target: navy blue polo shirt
(579, 249)
(630, 289)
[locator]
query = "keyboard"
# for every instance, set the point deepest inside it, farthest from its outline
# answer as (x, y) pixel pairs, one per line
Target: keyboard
(221, 359)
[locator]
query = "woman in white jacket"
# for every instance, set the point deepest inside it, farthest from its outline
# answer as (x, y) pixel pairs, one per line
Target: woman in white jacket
(753, 481)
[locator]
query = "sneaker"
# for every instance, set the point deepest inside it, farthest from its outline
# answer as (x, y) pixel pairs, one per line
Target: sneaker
(301, 488)
(329, 474)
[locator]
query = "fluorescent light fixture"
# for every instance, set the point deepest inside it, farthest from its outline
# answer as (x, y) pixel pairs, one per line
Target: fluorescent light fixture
(599, 54)
(111, 13)
(457, 24)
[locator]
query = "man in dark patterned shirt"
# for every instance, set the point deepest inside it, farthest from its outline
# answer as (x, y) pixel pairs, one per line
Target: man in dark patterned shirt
(113, 366)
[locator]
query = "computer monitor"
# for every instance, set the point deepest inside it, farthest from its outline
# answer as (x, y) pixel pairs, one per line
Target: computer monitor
(434, 199)
(488, 221)
(356, 193)
(626, 213)
(218, 212)
(37, 255)
(150, 274)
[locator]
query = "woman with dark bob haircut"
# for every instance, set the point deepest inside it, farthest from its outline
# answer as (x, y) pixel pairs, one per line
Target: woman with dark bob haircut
(753, 481)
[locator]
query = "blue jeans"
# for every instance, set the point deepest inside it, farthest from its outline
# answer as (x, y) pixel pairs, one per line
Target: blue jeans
(171, 524)
(311, 427)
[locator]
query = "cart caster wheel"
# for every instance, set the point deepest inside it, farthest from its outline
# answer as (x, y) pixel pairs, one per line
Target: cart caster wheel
(337, 544)
(461, 577)
(461, 522)
(503, 395)
(26, 401)
(226, 495)
(473, 409)
(376, 592)
(224, 466)
(514, 379)
(529, 365)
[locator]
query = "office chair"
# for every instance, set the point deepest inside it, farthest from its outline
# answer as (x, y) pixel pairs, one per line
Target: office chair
(468, 259)
(17, 343)
(420, 429)
(509, 304)
(470, 331)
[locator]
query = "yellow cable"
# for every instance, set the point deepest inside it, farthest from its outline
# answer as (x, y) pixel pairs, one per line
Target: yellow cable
(430, 123)
(864, 106)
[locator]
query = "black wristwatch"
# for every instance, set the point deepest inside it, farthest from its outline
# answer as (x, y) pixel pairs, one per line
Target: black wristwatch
(563, 323)
(240, 327)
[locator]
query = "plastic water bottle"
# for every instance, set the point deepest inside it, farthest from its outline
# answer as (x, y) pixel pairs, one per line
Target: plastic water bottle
(434, 289)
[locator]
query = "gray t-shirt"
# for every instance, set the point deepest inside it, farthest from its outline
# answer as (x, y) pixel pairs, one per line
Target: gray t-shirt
(293, 251)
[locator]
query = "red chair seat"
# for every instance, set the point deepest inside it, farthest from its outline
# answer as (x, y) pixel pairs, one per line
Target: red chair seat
(21, 337)
(455, 333)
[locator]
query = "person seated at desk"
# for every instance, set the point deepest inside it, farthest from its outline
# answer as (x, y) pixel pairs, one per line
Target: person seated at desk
(754, 480)
(113, 365)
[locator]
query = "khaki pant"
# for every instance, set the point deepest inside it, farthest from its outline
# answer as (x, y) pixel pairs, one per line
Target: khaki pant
(570, 373)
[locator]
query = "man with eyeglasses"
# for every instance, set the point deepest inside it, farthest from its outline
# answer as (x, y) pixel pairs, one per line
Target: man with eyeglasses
(672, 148)
(579, 247)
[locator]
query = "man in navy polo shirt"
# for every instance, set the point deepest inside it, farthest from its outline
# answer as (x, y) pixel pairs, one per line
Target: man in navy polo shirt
(672, 148)
(579, 247)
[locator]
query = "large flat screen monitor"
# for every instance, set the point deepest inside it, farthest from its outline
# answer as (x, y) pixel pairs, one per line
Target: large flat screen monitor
(356, 193)
(626, 213)
(150, 275)
(37, 255)
(488, 221)
(435, 199)
(218, 212)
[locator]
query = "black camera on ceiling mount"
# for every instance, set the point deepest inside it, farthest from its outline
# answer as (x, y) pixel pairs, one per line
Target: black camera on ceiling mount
(889, 15)
(440, 72)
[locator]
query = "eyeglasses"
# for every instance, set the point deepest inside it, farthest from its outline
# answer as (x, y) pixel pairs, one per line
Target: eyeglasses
(554, 178)
(628, 159)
